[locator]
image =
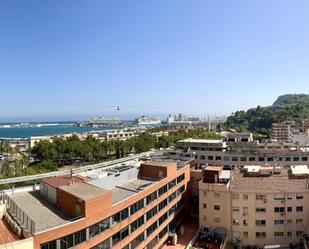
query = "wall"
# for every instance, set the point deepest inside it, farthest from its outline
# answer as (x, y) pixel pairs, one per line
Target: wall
(21, 244)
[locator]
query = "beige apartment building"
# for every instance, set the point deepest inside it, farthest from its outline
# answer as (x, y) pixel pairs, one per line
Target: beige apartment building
(255, 206)
(235, 152)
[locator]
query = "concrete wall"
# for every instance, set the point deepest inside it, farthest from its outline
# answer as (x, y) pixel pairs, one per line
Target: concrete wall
(21, 244)
(49, 193)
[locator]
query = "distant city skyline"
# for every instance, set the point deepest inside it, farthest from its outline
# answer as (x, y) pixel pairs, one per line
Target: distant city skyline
(65, 60)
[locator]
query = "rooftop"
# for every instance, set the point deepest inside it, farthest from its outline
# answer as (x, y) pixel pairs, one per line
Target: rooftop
(268, 184)
(84, 191)
(40, 211)
(200, 140)
(59, 181)
(124, 191)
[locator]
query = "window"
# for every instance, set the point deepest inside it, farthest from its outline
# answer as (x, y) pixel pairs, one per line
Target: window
(299, 197)
(150, 198)
(236, 209)
(299, 233)
(289, 234)
(162, 204)
(202, 157)
(217, 207)
(260, 197)
(261, 159)
(235, 196)
(234, 159)
(216, 219)
(299, 221)
(180, 178)
(278, 234)
(210, 158)
(243, 159)
(136, 206)
(279, 222)
(245, 197)
(217, 195)
(152, 228)
(120, 235)
(289, 209)
(260, 210)
(171, 184)
(152, 212)
(204, 205)
(245, 210)
(289, 221)
(290, 197)
(245, 222)
(251, 159)
(299, 209)
(260, 235)
(49, 245)
(99, 227)
(103, 245)
(137, 240)
(162, 190)
(279, 209)
(73, 239)
(137, 223)
(279, 197)
(260, 222)
(245, 234)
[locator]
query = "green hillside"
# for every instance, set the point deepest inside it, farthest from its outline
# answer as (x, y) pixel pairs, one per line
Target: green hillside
(286, 107)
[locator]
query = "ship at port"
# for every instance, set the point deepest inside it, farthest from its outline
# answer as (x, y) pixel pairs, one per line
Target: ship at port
(147, 121)
(100, 122)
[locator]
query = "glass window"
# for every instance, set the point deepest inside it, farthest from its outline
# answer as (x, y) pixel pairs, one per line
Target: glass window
(136, 206)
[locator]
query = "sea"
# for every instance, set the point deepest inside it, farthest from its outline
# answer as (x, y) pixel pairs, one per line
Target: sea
(46, 128)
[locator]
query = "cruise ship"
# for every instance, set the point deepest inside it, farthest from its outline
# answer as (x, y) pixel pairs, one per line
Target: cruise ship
(100, 122)
(146, 121)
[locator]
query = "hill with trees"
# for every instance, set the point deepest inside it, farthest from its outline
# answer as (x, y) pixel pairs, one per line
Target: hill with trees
(260, 119)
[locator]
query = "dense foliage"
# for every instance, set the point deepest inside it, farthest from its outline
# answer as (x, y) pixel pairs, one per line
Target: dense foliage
(286, 107)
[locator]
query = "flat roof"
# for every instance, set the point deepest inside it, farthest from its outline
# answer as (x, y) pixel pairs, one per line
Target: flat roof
(58, 181)
(200, 140)
(44, 214)
(124, 191)
(84, 191)
(268, 184)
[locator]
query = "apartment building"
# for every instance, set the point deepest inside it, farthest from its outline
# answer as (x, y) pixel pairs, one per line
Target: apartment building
(129, 206)
(121, 134)
(235, 151)
(282, 132)
(256, 205)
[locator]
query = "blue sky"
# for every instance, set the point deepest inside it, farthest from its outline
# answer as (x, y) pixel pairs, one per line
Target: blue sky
(77, 59)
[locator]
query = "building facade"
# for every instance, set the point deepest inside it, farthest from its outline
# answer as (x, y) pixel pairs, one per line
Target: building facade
(133, 206)
(256, 206)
